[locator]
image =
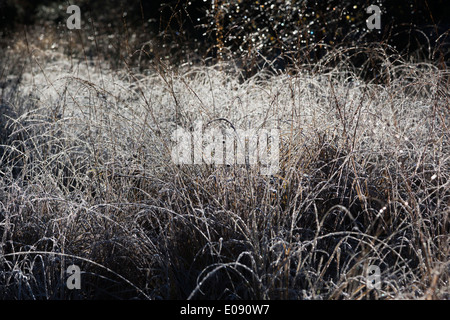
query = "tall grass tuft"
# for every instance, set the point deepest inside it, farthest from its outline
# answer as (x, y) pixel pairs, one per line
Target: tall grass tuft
(87, 178)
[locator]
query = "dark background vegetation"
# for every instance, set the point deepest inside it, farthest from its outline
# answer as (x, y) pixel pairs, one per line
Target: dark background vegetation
(246, 31)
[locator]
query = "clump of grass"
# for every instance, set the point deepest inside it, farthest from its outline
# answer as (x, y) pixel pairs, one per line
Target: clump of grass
(87, 178)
